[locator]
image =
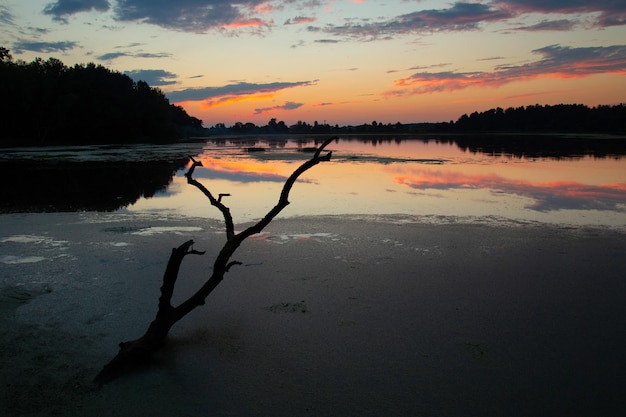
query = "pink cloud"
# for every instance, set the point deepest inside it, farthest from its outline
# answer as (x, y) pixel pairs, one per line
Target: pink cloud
(557, 62)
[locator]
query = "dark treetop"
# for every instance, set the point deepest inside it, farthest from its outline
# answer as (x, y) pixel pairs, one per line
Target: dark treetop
(48, 103)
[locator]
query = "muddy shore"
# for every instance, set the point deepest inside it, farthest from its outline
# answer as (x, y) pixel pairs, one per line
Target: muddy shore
(326, 316)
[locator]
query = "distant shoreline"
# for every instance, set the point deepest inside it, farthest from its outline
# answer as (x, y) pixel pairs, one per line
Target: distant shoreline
(405, 135)
(417, 135)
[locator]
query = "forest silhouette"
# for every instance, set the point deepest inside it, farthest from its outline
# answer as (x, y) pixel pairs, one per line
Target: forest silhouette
(532, 119)
(49, 103)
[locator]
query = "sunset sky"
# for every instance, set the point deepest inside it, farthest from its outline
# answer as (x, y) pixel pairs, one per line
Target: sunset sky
(339, 62)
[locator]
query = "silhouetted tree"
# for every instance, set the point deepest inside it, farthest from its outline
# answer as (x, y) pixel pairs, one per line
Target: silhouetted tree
(167, 315)
(5, 55)
(46, 102)
(537, 118)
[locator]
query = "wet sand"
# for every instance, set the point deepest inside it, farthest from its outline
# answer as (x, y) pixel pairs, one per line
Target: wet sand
(327, 316)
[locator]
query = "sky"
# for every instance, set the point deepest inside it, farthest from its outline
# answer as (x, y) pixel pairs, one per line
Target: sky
(338, 62)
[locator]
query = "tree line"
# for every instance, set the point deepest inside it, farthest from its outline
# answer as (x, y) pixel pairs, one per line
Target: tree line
(276, 127)
(561, 118)
(45, 102)
(569, 118)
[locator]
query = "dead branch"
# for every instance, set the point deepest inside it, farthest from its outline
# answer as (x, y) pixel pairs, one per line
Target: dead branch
(228, 218)
(136, 351)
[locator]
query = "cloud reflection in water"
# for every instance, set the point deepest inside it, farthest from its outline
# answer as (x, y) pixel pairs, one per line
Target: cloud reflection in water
(547, 196)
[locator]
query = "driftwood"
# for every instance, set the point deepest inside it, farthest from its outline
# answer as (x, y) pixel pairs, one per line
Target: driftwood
(135, 352)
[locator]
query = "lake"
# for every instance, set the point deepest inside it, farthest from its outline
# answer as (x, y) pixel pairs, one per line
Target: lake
(574, 184)
(547, 179)
(408, 276)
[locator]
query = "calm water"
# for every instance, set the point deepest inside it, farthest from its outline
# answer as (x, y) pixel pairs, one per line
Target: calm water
(411, 177)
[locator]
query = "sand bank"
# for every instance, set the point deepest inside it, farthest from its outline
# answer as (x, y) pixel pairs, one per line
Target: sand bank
(327, 316)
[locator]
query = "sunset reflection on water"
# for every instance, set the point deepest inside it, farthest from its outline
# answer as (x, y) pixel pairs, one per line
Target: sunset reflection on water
(406, 177)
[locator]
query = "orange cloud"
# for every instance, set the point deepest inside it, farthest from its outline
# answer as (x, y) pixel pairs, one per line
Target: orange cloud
(234, 99)
(247, 23)
(222, 101)
(264, 8)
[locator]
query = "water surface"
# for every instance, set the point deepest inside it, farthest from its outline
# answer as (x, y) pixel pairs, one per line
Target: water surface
(404, 176)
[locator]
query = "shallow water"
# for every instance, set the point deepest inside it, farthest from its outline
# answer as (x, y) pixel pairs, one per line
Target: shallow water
(326, 316)
(412, 300)
(400, 176)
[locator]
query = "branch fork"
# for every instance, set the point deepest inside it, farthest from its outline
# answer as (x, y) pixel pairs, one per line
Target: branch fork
(136, 351)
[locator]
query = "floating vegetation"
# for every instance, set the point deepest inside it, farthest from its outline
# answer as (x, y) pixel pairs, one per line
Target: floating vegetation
(300, 307)
(124, 229)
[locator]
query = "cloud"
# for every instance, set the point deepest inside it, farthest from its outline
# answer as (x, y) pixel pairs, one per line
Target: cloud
(192, 15)
(298, 20)
(152, 55)
(244, 23)
(200, 16)
(562, 25)
(47, 47)
(152, 77)
(6, 17)
(460, 17)
(610, 12)
(110, 56)
(490, 58)
(60, 9)
(233, 90)
(419, 67)
(289, 105)
(468, 16)
(130, 45)
(182, 15)
(557, 62)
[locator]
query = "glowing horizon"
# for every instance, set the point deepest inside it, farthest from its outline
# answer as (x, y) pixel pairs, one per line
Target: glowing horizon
(339, 62)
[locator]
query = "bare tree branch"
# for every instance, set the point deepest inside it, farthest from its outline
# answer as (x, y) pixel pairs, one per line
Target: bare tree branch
(171, 273)
(137, 350)
(283, 201)
(228, 218)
